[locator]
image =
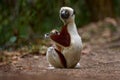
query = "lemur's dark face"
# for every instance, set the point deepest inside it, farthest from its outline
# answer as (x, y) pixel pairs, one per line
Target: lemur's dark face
(66, 13)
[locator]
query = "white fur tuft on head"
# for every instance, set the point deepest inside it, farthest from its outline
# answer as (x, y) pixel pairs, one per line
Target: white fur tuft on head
(68, 11)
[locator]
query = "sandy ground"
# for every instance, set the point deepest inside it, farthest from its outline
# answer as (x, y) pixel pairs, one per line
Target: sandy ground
(101, 63)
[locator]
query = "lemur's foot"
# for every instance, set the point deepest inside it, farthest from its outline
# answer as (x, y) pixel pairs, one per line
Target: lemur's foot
(77, 66)
(51, 67)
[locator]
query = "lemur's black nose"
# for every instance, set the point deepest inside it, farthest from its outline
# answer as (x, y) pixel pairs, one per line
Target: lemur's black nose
(65, 14)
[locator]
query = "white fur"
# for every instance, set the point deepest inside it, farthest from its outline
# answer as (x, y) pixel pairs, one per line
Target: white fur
(71, 53)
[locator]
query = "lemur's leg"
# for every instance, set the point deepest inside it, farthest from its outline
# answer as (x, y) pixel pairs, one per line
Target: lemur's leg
(54, 58)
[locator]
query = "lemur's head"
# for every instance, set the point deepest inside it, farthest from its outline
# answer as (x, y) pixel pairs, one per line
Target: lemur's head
(67, 14)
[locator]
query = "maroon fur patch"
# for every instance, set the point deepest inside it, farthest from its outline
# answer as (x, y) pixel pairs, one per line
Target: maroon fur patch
(62, 58)
(63, 38)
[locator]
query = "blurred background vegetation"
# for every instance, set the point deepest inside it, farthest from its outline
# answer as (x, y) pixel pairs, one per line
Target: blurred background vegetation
(21, 21)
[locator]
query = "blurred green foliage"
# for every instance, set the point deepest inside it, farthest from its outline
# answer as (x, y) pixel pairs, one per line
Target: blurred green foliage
(25, 19)
(117, 7)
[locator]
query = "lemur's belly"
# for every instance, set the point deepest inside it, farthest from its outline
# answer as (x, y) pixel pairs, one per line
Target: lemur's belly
(72, 53)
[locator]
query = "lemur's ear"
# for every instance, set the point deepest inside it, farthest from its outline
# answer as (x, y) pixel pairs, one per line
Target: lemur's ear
(74, 12)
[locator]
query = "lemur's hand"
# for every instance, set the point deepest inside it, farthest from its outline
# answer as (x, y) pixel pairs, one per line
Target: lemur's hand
(56, 32)
(53, 32)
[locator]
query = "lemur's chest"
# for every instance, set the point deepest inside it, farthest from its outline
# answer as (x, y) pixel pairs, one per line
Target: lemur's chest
(68, 37)
(63, 38)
